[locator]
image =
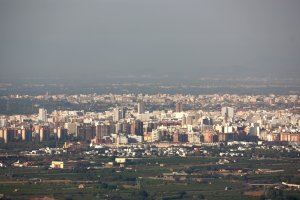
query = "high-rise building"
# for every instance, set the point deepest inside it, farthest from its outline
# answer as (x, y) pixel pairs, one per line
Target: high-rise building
(118, 127)
(183, 121)
(156, 136)
(44, 134)
(223, 137)
(62, 133)
(151, 126)
(207, 121)
(116, 115)
(85, 132)
(2, 122)
(210, 136)
(42, 114)
(123, 112)
(190, 120)
(1, 133)
(141, 107)
(180, 137)
(102, 130)
(126, 128)
(178, 107)
(137, 128)
(119, 113)
(5, 135)
(26, 134)
(227, 113)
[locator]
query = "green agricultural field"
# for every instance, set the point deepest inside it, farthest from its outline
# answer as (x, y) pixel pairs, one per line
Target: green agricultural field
(143, 179)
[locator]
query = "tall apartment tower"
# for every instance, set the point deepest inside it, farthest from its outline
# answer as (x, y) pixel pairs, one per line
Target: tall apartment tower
(227, 113)
(44, 134)
(26, 134)
(178, 107)
(42, 114)
(141, 107)
(5, 135)
(137, 128)
(119, 113)
(61, 133)
(102, 130)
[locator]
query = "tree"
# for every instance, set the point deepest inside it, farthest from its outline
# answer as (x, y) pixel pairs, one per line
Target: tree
(141, 194)
(182, 194)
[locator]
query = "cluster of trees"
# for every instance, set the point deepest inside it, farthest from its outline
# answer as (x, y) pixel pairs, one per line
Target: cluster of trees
(277, 194)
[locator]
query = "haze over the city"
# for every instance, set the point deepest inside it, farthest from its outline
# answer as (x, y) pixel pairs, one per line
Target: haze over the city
(150, 99)
(123, 38)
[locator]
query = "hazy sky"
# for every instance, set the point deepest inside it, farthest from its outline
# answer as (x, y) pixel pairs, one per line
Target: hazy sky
(95, 38)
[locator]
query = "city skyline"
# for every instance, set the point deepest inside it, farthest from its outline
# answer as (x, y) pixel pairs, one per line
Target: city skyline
(150, 100)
